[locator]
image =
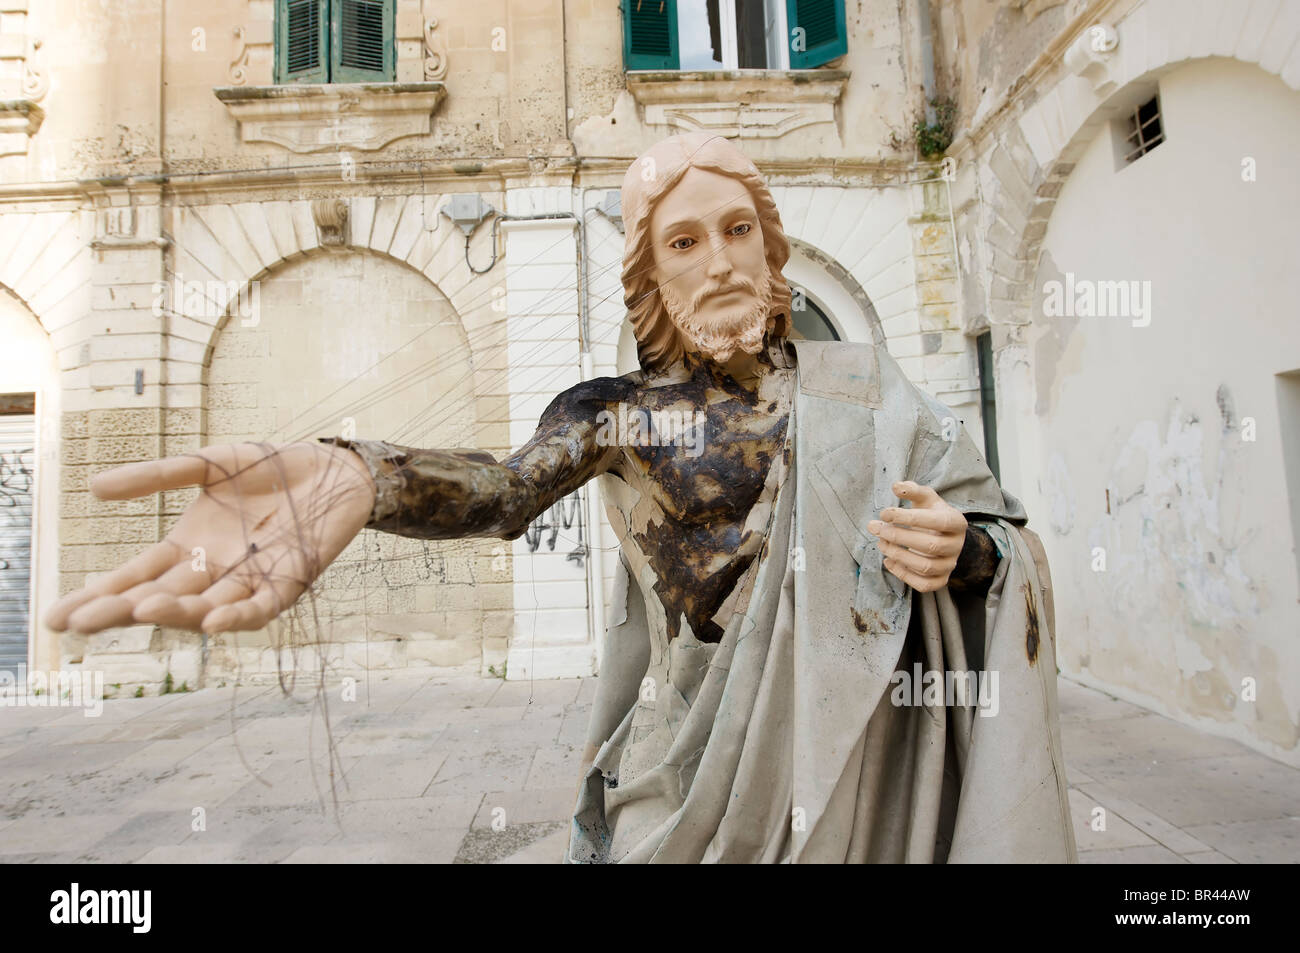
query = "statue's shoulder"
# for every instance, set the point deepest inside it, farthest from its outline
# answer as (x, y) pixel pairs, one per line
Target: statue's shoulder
(586, 398)
(840, 370)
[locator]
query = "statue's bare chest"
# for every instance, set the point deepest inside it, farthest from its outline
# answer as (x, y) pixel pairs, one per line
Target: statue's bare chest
(699, 468)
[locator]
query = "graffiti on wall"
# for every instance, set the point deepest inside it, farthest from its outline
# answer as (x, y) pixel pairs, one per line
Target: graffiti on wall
(565, 514)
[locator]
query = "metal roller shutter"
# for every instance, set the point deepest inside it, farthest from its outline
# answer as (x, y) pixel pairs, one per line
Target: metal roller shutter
(17, 481)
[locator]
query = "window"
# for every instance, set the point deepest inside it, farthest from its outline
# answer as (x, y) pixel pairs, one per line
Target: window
(811, 323)
(334, 41)
(1144, 131)
(732, 34)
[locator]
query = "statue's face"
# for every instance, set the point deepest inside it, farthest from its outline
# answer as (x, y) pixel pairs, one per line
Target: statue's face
(710, 264)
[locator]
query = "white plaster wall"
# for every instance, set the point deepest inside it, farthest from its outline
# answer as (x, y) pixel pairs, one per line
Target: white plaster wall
(1200, 586)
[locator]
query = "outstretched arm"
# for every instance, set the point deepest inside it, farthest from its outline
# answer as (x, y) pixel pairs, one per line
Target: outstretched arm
(451, 494)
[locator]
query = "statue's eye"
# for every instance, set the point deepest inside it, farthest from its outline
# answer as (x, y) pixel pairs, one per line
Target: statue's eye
(741, 229)
(682, 247)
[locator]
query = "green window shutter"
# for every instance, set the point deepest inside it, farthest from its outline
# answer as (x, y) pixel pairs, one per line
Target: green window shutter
(301, 41)
(361, 48)
(817, 32)
(650, 34)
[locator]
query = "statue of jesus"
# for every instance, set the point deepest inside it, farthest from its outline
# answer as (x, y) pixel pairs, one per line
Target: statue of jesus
(832, 638)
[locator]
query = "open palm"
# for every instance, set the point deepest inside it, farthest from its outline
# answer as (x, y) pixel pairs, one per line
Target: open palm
(268, 521)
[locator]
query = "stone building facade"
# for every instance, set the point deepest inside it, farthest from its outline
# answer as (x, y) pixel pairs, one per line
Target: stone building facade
(278, 219)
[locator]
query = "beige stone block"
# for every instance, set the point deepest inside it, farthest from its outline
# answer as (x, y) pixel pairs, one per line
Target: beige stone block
(128, 266)
(124, 449)
(181, 420)
(74, 452)
(410, 24)
(119, 529)
(124, 422)
(129, 670)
(410, 66)
(252, 216)
(126, 640)
(97, 558)
(443, 652)
(151, 298)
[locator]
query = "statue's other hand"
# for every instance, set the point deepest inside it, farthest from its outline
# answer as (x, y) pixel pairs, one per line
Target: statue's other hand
(920, 543)
(268, 521)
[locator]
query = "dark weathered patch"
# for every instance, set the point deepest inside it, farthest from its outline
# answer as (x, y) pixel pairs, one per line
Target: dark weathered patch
(693, 547)
(869, 620)
(1031, 626)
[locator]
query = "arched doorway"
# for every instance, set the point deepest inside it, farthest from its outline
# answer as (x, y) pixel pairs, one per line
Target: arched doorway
(29, 483)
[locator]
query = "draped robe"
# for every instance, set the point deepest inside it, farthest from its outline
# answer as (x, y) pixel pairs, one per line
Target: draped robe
(804, 735)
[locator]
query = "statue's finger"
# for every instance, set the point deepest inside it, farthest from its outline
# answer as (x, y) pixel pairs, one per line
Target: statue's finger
(179, 612)
(160, 608)
(926, 542)
(188, 612)
(198, 468)
(916, 562)
(942, 520)
(104, 612)
(917, 582)
(919, 494)
(181, 579)
(247, 615)
(143, 567)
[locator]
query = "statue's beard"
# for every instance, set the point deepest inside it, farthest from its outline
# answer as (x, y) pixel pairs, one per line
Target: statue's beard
(738, 329)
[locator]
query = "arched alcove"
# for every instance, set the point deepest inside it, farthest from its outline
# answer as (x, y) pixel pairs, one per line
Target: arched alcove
(352, 342)
(29, 487)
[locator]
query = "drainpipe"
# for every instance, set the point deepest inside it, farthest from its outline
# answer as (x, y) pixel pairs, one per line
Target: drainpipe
(927, 57)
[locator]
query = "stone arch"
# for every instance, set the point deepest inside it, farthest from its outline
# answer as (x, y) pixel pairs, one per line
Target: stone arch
(231, 245)
(862, 237)
(408, 619)
(831, 283)
(385, 601)
(1031, 156)
(28, 365)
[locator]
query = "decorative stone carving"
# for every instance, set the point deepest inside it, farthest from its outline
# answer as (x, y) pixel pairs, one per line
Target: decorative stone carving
(1091, 55)
(746, 104)
(239, 65)
(36, 82)
(311, 117)
(435, 51)
(331, 217)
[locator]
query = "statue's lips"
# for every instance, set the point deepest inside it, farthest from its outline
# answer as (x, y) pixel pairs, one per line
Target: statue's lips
(724, 294)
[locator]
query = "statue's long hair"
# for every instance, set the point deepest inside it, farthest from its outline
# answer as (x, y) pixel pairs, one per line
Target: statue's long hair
(658, 342)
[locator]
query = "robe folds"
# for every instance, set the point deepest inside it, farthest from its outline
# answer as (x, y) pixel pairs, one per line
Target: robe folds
(822, 728)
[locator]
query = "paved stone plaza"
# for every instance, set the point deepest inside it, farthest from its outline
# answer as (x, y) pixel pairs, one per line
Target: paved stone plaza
(472, 770)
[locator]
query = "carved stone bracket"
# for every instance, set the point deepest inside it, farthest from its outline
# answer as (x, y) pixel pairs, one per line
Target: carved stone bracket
(1091, 55)
(36, 82)
(239, 65)
(435, 51)
(746, 104)
(311, 117)
(19, 120)
(331, 217)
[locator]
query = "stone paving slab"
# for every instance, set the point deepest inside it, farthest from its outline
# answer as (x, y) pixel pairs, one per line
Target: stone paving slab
(442, 769)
